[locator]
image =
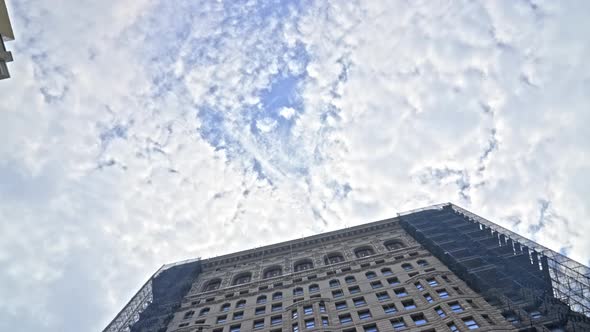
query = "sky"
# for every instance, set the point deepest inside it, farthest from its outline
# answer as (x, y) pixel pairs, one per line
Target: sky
(139, 133)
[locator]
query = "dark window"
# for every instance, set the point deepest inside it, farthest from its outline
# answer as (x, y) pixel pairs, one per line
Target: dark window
(345, 319)
(409, 304)
(422, 263)
(298, 291)
(276, 320)
(371, 275)
(370, 328)
(419, 286)
(393, 245)
(314, 288)
(364, 252)
(337, 293)
(212, 285)
(334, 258)
(365, 314)
(419, 319)
(273, 271)
(260, 310)
(234, 328)
(407, 266)
(386, 271)
(241, 304)
(376, 284)
(258, 324)
(398, 324)
(261, 299)
(334, 283)
(350, 280)
(276, 307)
(242, 278)
(488, 319)
(382, 296)
(225, 307)
(341, 305)
(277, 296)
(354, 290)
(204, 311)
(303, 265)
(322, 306)
(238, 315)
(400, 292)
(389, 308)
(470, 323)
(393, 281)
(221, 319)
(189, 314)
(359, 301)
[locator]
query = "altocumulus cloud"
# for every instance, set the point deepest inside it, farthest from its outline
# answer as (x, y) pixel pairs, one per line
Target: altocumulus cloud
(135, 134)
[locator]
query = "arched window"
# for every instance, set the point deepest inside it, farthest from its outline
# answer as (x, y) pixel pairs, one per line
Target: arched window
(277, 296)
(272, 271)
(242, 278)
(189, 314)
(333, 258)
(261, 299)
(302, 265)
(394, 244)
(407, 266)
(334, 283)
(298, 291)
(212, 285)
(240, 304)
(364, 252)
(225, 307)
(350, 280)
(371, 275)
(204, 312)
(386, 271)
(314, 288)
(422, 263)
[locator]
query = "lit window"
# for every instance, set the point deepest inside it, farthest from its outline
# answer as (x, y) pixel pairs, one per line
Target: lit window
(400, 292)
(383, 296)
(277, 296)
(365, 314)
(389, 308)
(276, 320)
(432, 282)
(371, 275)
(261, 299)
(359, 301)
(386, 271)
(419, 286)
(470, 323)
(419, 319)
(314, 288)
(428, 298)
(345, 319)
(376, 284)
(443, 294)
(354, 290)
(334, 283)
(440, 312)
(456, 307)
(393, 281)
(341, 305)
(398, 324)
(309, 323)
(409, 305)
(308, 310)
(453, 327)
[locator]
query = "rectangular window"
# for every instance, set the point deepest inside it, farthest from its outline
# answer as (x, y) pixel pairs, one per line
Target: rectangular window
(419, 319)
(370, 328)
(455, 307)
(308, 310)
(409, 304)
(259, 311)
(314, 288)
(390, 308)
(337, 293)
(400, 292)
(453, 327)
(345, 319)
(359, 301)
(488, 319)
(383, 296)
(309, 323)
(376, 284)
(341, 305)
(354, 290)
(458, 290)
(258, 324)
(276, 320)
(294, 314)
(393, 281)
(238, 315)
(276, 307)
(398, 324)
(432, 282)
(442, 293)
(322, 307)
(234, 328)
(295, 328)
(470, 323)
(365, 314)
(428, 298)
(419, 286)
(325, 321)
(440, 312)
(221, 319)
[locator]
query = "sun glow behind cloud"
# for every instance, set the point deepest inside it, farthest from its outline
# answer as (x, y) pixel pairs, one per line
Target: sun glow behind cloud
(140, 134)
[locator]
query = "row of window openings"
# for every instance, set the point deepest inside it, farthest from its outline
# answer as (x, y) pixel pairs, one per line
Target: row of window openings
(399, 292)
(305, 264)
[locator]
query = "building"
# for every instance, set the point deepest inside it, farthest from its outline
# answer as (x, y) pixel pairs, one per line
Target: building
(440, 268)
(6, 34)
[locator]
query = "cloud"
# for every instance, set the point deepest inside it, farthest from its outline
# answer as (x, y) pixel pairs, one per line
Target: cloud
(139, 134)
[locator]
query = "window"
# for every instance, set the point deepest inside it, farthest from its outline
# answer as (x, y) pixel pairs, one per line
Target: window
(400, 292)
(364, 252)
(354, 290)
(393, 281)
(276, 320)
(325, 321)
(409, 304)
(422, 263)
(238, 315)
(298, 291)
(428, 298)
(470, 323)
(212, 285)
(334, 283)
(511, 317)
(365, 314)
(442, 293)
(225, 307)
(488, 319)
(259, 310)
(359, 301)
(322, 307)
(419, 286)
(393, 245)
(294, 314)
(419, 319)
(258, 324)
(276, 307)
(407, 266)
(261, 299)
(382, 296)
(277, 296)
(458, 290)
(345, 319)
(452, 327)
(314, 288)
(334, 258)
(337, 293)
(535, 314)
(295, 328)
(303, 265)
(398, 324)
(309, 323)
(273, 271)
(455, 307)
(390, 308)
(308, 310)
(350, 280)
(432, 282)
(204, 311)
(242, 278)
(241, 304)
(234, 328)
(341, 305)
(386, 271)
(183, 325)
(370, 328)
(440, 312)
(221, 319)
(376, 284)
(371, 275)
(188, 314)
